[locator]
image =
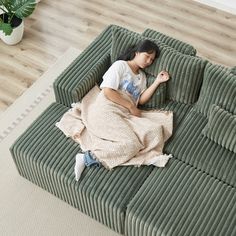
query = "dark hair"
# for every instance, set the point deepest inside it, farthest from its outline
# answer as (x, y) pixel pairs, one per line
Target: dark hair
(142, 46)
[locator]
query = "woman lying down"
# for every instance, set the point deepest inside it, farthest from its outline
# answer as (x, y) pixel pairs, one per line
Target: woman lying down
(107, 124)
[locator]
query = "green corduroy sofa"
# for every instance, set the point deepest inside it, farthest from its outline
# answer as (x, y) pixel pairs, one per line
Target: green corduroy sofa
(195, 194)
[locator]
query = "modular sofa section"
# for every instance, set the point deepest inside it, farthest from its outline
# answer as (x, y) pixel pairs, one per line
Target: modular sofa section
(206, 137)
(181, 200)
(190, 145)
(44, 156)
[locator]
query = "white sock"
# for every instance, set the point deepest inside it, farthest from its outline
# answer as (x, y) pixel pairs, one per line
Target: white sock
(79, 165)
(162, 160)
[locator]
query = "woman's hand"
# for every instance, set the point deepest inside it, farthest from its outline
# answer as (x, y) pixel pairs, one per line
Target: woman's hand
(163, 76)
(115, 97)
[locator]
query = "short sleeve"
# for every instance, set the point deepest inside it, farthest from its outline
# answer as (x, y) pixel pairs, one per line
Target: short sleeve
(111, 79)
(144, 82)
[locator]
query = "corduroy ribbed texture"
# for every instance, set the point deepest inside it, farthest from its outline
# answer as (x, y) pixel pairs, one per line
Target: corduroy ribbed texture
(219, 88)
(180, 110)
(122, 40)
(191, 146)
(186, 74)
(221, 128)
(186, 71)
(104, 194)
(161, 40)
(178, 45)
(75, 82)
(233, 70)
(179, 200)
(46, 157)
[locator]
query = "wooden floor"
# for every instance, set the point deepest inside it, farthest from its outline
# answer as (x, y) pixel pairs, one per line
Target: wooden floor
(57, 25)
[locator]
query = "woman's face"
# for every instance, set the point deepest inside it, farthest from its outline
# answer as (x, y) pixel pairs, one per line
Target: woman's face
(144, 59)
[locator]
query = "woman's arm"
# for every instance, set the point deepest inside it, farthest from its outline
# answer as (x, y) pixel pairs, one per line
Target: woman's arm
(115, 97)
(163, 76)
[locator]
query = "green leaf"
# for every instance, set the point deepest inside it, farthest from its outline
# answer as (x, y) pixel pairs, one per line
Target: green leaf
(6, 28)
(23, 8)
(7, 4)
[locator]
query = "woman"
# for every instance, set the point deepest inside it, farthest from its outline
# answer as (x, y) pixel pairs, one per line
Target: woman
(116, 131)
(126, 74)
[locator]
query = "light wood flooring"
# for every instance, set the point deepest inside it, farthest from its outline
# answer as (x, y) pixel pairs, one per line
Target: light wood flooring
(57, 25)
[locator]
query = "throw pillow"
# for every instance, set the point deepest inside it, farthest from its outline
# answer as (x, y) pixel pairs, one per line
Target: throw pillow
(221, 128)
(219, 87)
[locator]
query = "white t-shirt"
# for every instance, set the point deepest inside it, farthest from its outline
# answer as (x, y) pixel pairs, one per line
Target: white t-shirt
(120, 77)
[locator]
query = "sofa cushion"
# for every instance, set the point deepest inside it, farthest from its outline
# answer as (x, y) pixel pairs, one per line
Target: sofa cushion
(219, 88)
(186, 75)
(104, 194)
(180, 200)
(46, 157)
(221, 128)
(178, 45)
(189, 145)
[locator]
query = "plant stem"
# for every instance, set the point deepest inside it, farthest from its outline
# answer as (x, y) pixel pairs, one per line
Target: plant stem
(10, 18)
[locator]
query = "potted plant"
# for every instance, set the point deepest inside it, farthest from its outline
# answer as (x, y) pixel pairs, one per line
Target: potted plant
(11, 19)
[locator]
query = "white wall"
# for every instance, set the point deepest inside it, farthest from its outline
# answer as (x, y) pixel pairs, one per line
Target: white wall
(225, 5)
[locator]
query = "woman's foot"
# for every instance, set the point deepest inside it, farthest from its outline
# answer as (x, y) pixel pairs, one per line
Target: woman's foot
(79, 165)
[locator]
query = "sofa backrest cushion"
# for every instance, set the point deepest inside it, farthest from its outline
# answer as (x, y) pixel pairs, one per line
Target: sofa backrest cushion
(219, 88)
(178, 45)
(123, 39)
(186, 71)
(221, 128)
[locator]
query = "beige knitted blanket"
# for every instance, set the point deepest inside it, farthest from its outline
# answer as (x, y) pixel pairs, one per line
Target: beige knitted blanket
(115, 136)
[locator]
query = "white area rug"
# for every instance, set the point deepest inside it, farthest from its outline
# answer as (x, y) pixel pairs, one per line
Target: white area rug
(26, 209)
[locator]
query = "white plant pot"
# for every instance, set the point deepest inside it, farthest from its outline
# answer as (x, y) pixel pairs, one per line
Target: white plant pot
(15, 37)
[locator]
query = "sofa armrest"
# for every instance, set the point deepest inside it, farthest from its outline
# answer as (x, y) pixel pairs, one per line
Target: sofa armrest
(93, 77)
(72, 88)
(66, 84)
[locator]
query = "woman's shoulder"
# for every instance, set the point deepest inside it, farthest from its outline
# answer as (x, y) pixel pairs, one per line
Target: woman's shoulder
(120, 63)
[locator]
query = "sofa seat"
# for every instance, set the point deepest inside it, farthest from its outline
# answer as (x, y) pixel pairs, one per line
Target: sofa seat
(46, 157)
(180, 111)
(181, 200)
(190, 145)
